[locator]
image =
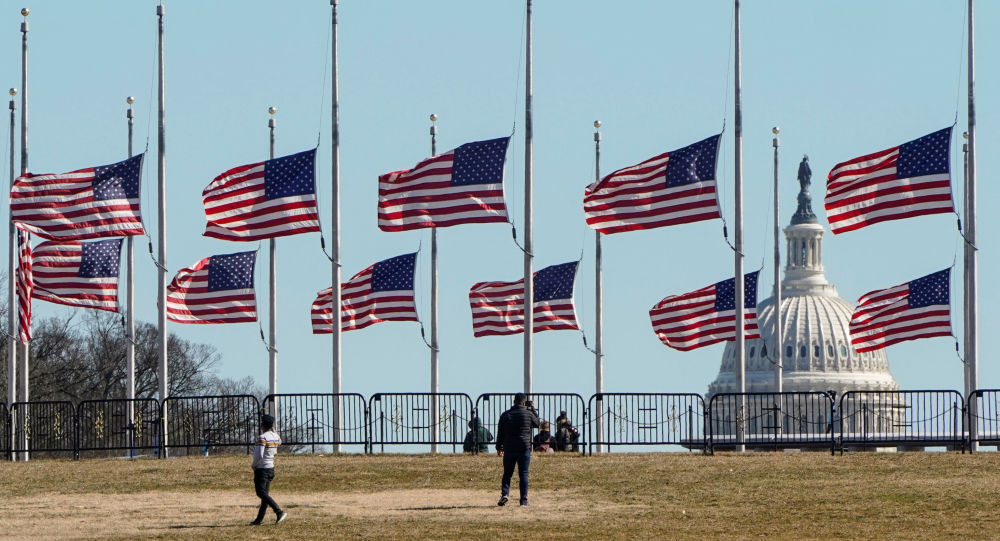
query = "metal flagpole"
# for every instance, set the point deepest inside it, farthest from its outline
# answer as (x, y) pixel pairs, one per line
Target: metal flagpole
(130, 303)
(272, 297)
(161, 260)
(778, 377)
(598, 303)
(335, 233)
(434, 308)
(971, 263)
(965, 283)
(738, 193)
(529, 289)
(11, 293)
(25, 348)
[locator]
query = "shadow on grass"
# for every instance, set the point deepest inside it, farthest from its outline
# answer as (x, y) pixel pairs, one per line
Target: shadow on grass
(193, 526)
(444, 507)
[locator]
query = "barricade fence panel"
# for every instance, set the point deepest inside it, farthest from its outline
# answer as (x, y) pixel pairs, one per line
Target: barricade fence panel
(5, 433)
(646, 419)
(418, 419)
(915, 418)
(984, 416)
(772, 420)
(114, 425)
(550, 407)
(209, 424)
(306, 421)
(44, 427)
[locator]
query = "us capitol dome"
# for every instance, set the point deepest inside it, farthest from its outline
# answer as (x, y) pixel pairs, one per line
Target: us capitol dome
(815, 337)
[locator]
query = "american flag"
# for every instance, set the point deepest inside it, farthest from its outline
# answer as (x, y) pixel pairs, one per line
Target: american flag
(461, 186)
(24, 286)
(498, 307)
(89, 203)
(912, 179)
(676, 187)
(706, 316)
(274, 198)
(382, 292)
(78, 273)
(217, 289)
(917, 309)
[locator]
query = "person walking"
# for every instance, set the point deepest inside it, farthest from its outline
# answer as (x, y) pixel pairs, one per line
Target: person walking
(514, 445)
(263, 470)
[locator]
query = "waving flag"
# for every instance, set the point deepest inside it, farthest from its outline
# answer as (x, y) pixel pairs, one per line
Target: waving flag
(274, 198)
(24, 286)
(912, 179)
(706, 316)
(461, 186)
(86, 204)
(498, 307)
(217, 289)
(676, 187)
(78, 273)
(917, 309)
(382, 292)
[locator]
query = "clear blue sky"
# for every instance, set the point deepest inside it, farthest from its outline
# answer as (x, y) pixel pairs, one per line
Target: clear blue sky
(841, 79)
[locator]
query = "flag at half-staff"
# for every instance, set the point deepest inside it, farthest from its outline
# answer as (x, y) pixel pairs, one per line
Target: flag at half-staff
(706, 316)
(89, 203)
(273, 198)
(917, 309)
(912, 179)
(217, 289)
(25, 284)
(498, 307)
(461, 186)
(382, 292)
(676, 187)
(78, 273)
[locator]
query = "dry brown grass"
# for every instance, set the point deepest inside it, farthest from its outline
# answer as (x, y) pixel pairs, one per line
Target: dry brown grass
(652, 496)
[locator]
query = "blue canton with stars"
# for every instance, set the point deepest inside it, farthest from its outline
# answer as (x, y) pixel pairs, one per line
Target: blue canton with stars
(480, 162)
(394, 274)
(725, 293)
(100, 258)
(118, 180)
(693, 163)
(231, 271)
(930, 290)
(290, 175)
(555, 282)
(927, 155)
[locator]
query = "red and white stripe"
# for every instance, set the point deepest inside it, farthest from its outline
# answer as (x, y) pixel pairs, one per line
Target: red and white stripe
(56, 269)
(637, 197)
(24, 287)
(883, 318)
(190, 301)
(689, 321)
(360, 307)
(498, 309)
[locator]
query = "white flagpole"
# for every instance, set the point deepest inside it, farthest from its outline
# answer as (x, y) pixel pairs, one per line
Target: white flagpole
(778, 376)
(11, 292)
(130, 302)
(738, 193)
(434, 309)
(161, 263)
(598, 303)
(25, 348)
(529, 290)
(335, 226)
(272, 297)
(971, 263)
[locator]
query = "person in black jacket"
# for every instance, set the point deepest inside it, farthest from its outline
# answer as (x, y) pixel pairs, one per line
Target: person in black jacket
(514, 445)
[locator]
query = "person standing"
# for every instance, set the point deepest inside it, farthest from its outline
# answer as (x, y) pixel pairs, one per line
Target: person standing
(514, 445)
(263, 470)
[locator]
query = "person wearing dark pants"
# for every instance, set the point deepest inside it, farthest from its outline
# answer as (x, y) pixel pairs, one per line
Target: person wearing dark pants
(514, 432)
(263, 470)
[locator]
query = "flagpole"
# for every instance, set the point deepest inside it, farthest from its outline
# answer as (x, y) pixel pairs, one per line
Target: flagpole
(776, 310)
(25, 348)
(130, 302)
(598, 302)
(272, 297)
(434, 307)
(965, 262)
(11, 294)
(161, 262)
(335, 233)
(971, 256)
(738, 193)
(529, 289)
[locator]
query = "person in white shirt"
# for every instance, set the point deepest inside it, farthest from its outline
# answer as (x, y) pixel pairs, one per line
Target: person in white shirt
(263, 470)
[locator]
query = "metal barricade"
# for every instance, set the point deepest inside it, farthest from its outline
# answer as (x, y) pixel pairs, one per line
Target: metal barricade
(902, 418)
(984, 416)
(489, 407)
(647, 419)
(5, 434)
(44, 427)
(122, 424)
(798, 420)
(206, 424)
(407, 419)
(307, 420)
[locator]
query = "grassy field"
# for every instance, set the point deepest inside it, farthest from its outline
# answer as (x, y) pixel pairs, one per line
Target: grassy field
(620, 496)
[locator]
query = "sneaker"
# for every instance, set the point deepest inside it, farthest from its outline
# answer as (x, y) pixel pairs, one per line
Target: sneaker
(503, 501)
(524, 503)
(282, 515)
(255, 523)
